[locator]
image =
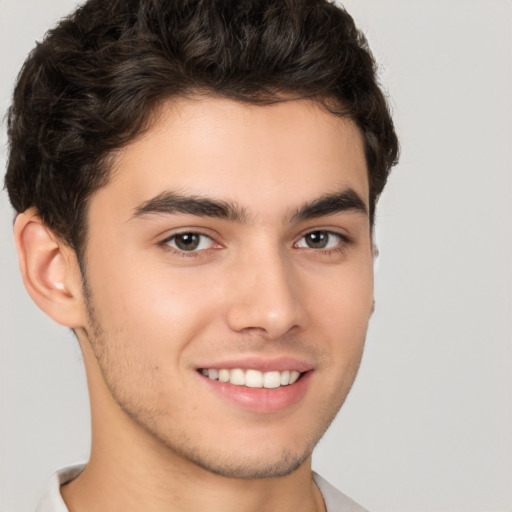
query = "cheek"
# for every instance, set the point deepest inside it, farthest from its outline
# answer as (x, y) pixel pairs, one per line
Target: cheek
(344, 303)
(341, 317)
(150, 309)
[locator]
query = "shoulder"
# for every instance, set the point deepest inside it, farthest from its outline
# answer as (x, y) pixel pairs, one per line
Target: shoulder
(335, 501)
(52, 500)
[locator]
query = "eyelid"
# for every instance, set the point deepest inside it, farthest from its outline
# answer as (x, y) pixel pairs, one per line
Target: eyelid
(166, 235)
(343, 239)
(201, 237)
(335, 230)
(164, 243)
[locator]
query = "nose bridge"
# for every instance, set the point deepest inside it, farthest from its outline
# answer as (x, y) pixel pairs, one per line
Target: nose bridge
(265, 294)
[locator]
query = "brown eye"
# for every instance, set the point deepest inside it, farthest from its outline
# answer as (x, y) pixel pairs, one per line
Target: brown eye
(317, 239)
(320, 239)
(189, 242)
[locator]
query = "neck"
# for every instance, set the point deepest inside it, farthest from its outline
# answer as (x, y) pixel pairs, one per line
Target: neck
(129, 470)
(117, 486)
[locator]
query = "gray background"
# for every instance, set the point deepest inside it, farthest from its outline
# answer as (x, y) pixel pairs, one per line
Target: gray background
(428, 425)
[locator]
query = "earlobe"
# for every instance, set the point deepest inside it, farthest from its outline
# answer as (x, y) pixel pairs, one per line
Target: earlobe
(49, 270)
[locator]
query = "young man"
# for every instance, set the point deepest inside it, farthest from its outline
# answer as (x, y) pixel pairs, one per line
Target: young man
(195, 185)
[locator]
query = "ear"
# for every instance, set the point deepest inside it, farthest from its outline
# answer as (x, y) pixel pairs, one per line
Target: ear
(50, 271)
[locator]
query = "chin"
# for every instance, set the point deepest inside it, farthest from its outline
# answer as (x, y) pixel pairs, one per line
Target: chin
(249, 467)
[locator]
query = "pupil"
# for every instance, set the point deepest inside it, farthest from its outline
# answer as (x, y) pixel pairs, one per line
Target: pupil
(187, 241)
(317, 239)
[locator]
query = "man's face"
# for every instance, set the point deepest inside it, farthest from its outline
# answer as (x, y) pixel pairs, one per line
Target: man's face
(232, 242)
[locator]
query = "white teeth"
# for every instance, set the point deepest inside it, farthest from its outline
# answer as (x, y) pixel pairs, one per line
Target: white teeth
(223, 375)
(294, 375)
(271, 380)
(237, 377)
(252, 378)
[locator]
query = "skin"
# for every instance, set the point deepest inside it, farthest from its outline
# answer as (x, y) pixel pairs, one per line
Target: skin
(149, 314)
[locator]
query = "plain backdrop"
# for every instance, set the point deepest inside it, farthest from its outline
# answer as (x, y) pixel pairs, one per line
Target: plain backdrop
(428, 425)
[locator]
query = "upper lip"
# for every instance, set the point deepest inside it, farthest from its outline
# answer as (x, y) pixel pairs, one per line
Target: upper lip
(263, 364)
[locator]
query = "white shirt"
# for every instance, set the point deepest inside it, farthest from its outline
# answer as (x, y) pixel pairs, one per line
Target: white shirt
(52, 501)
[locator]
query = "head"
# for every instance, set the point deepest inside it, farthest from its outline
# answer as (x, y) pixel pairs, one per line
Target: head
(213, 168)
(96, 80)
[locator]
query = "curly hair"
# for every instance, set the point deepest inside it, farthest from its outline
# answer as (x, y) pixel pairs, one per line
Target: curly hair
(91, 86)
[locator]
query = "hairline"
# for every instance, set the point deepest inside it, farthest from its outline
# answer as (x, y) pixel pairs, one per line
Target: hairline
(327, 102)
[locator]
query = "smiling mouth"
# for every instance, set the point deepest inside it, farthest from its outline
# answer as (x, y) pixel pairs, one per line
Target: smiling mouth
(252, 378)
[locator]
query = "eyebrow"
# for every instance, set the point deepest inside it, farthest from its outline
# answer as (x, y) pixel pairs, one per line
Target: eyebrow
(330, 204)
(173, 203)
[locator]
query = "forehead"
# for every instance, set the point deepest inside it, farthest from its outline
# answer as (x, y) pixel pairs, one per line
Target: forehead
(261, 157)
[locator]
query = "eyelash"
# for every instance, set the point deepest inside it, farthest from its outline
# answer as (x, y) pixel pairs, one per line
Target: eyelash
(183, 253)
(340, 247)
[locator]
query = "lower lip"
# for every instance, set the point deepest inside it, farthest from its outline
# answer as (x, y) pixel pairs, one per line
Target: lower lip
(261, 400)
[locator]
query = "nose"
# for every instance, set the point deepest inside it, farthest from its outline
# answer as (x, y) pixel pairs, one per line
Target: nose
(265, 296)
